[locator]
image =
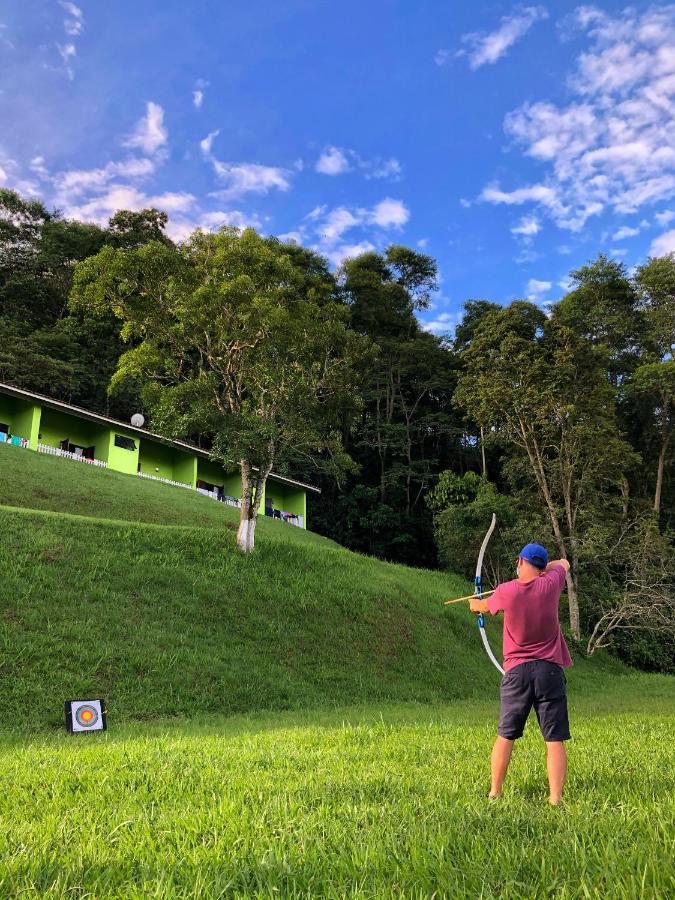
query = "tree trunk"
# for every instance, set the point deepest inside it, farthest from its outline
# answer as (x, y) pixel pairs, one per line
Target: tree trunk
(482, 453)
(246, 531)
(659, 474)
(534, 455)
(252, 491)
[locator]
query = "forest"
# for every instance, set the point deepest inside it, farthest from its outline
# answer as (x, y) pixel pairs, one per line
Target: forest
(559, 420)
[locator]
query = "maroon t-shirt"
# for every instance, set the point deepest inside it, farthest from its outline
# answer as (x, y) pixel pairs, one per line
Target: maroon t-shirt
(531, 624)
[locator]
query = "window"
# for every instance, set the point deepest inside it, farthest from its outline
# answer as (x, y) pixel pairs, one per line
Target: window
(124, 442)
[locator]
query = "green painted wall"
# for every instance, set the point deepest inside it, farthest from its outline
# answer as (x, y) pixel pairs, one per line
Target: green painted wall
(232, 486)
(119, 458)
(287, 498)
(22, 417)
(56, 426)
(210, 471)
(163, 461)
(156, 459)
(185, 468)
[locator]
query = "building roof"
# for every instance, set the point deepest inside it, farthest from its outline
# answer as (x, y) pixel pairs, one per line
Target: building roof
(141, 432)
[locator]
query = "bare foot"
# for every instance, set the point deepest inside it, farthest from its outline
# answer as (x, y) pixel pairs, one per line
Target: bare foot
(492, 796)
(555, 801)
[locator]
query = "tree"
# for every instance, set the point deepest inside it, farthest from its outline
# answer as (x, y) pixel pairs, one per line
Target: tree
(639, 592)
(655, 377)
(540, 388)
(407, 423)
(229, 347)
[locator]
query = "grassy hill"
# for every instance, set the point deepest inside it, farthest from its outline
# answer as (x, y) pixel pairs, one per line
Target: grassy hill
(134, 591)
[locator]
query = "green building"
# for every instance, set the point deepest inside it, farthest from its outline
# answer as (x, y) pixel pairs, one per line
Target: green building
(49, 426)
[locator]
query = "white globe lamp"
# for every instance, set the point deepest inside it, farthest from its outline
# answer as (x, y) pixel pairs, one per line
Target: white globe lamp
(137, 420)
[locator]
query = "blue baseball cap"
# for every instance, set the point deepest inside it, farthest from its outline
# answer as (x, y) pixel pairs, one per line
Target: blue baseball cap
(535, 554)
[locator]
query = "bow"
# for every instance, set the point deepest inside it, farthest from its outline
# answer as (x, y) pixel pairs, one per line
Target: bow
(479, 593)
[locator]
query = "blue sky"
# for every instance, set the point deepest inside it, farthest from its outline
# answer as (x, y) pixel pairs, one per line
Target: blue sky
(511, 142)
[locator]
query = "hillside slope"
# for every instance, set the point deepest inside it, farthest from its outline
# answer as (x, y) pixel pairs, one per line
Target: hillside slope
(169, 619)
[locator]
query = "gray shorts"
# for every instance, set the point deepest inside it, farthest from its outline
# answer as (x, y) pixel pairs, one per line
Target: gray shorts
(541, 684)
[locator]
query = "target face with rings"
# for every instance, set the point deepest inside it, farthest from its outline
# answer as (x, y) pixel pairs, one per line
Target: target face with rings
(85, 715)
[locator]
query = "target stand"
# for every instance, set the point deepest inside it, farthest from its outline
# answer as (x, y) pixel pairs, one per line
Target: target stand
(85, 715)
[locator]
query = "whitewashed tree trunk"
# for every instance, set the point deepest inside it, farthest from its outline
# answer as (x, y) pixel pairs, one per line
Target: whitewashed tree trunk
(252, 488)
(246, 535)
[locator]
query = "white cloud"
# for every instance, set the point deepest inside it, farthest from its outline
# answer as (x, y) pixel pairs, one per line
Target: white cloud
(249, 178)
(207, 143)
(198, 93)
(333, 161)
(527, 227)
(664, 244)
(487, 47)
(292, 237)
(612, 147)
(444, 323)
(385, 168)
(423, 243)
(74, 183)
(150, 134)
(441, 57)
(327, 228)
(538, 193)
(618, 251)
(338, 160)
(564, 249)
(389, 213)
(67, 52)
(338, 254)
(625, 232)
(665, 217)
(536, 289)
(74, 22)
(37, 165)
(566, 284)
(244, 178)
(338, 221)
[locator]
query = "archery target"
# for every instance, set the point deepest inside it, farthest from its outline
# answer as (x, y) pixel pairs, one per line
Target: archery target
(85, 715)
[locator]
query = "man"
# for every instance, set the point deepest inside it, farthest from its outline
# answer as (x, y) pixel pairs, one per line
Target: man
(535, 655)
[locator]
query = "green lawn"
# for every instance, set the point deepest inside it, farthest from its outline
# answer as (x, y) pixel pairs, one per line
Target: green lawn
(301, 722)
(374, 803)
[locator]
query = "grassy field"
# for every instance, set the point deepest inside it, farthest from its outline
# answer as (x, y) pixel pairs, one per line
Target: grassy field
(303, 722)
(360, 803)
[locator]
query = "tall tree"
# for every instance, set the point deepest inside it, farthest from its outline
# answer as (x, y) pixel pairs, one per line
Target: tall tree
(655, 377)
(229, 347)
(542, 389)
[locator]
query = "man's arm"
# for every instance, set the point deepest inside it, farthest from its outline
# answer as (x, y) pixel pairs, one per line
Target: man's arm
(480, 606)
(558, 562)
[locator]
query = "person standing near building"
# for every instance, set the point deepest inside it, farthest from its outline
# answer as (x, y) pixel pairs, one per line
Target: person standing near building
(535, 657)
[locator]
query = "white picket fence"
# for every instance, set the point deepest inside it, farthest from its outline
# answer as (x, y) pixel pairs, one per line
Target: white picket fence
(164, 480)
(57, 451)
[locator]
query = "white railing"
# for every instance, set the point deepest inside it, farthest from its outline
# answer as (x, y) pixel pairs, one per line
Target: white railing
(214, 495)
(164, 480)
(13, 440)
(289, 518)
(57, 451)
